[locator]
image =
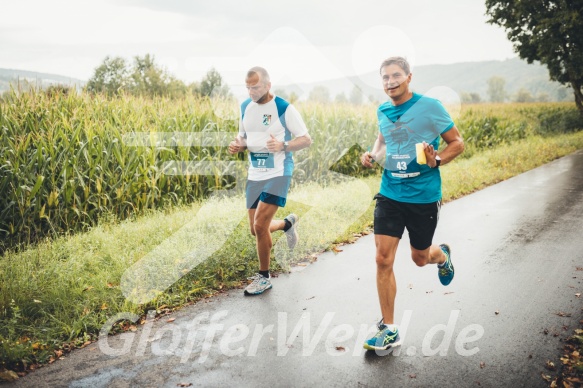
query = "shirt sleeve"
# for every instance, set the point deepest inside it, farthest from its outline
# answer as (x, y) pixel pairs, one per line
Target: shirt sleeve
(294, 122)
(242, 128)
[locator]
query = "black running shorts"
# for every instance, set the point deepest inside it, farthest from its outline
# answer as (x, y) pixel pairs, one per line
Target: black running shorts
(392, 217)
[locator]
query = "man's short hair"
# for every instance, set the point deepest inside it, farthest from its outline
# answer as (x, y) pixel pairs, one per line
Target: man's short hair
(399, 61)
(263, 74)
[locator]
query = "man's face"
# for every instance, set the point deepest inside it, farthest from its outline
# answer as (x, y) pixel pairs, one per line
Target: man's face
(395, 81)
(256, 88)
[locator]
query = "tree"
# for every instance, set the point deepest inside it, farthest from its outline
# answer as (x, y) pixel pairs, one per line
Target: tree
(547, 31)
(471, 98)
(143, 78)
(496, 89)
(523, 95)
(562, 93)
(147, 77)
(211, 85)
(543, 97)
(356, 95)
(293, 97)
(110, 78)
(320, 93)
(341, 98)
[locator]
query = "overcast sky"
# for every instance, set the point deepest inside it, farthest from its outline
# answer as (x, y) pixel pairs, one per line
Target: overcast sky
(297, 41)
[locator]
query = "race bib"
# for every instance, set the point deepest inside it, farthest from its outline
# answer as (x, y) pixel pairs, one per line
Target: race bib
(400, 166)
(262, 160)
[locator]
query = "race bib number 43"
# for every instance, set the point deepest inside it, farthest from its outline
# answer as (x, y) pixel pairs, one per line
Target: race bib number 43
(262, 160)
(400, 167)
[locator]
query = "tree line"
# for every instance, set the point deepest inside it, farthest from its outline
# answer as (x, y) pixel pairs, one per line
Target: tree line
(497, 92)
(144, 77)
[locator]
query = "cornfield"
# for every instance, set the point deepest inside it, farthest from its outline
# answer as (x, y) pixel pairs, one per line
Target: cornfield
(67, 160)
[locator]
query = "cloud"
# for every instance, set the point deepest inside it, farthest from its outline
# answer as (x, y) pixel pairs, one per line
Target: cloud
(72, 37)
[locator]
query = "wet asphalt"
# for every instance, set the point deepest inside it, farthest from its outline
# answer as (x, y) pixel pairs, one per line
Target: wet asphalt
(517, 248)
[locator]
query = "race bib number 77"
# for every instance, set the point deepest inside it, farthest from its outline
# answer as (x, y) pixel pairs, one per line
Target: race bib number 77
(262, 160)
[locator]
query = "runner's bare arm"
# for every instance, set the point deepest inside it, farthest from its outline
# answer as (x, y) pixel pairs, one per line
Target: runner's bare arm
(377, 153)
(296, 144)
(454, 147)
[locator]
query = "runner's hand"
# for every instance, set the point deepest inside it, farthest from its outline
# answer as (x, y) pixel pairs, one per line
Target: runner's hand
(235, 146)
(273, 145)
(367, 160)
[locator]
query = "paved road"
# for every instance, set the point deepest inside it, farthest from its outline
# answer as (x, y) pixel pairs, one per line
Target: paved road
(516, 248)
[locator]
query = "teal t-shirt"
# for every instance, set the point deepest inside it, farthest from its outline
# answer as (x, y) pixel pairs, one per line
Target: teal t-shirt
(419, 119)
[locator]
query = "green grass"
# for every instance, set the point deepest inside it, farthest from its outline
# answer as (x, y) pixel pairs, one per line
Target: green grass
(56, 295)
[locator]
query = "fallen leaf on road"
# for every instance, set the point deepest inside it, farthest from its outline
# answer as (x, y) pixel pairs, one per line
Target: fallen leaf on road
(184, 384)
(482, 364)
(564, 360)
(336, 249)
(496, 312)
(562, 314)
(550, 365)
(554, 384)
(340, 348)
(171, 320)
(578, 294)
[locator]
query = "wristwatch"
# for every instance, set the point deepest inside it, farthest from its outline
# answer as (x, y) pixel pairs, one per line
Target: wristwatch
(437, 161)
(285, 144)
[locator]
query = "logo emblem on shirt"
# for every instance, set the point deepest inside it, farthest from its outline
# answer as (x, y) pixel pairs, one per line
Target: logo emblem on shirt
(266, 119)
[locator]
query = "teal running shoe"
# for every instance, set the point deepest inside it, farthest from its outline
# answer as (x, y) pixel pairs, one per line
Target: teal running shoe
(384, 339)
(446, 271)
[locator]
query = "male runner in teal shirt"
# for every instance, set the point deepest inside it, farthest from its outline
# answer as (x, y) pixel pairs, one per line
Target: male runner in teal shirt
(410, 192)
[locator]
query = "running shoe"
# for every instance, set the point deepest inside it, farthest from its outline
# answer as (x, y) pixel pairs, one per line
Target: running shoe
(446, 271)
(259, 285)
(384, 339)
(292, 233)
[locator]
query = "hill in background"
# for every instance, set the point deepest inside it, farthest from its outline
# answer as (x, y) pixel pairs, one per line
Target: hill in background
(467, 77)
(12, 76)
